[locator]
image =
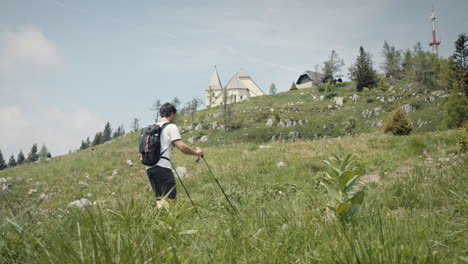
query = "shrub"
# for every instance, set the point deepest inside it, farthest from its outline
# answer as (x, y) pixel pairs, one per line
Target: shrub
(398, 123)
(457, 109)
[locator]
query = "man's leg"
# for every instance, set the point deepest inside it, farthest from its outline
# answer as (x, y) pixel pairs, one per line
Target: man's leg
(163, 183)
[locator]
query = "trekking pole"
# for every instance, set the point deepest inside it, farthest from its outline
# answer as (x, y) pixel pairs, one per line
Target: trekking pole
(212, 174)
(188, 195)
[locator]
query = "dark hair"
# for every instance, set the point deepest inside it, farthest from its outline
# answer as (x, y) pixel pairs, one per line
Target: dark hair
(167, 109)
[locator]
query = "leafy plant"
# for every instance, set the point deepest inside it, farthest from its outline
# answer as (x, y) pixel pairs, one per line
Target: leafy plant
(340, 182)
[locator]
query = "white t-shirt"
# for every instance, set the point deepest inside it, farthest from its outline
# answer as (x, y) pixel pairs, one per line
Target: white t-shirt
(169, 134)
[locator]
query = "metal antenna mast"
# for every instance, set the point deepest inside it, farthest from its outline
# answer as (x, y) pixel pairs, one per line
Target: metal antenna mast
(434, 44)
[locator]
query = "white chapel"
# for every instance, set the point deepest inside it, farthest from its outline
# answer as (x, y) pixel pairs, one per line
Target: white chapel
(239, 88)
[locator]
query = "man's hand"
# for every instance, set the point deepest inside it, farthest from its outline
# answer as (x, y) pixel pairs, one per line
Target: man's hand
(199, 152)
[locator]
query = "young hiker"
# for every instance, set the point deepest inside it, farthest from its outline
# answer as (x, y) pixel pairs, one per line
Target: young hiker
(160, 176)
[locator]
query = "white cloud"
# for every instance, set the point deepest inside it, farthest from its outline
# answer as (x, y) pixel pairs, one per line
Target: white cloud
(26, 57)
(61, 130)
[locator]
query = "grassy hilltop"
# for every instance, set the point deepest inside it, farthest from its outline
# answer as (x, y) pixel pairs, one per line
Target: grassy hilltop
(414, 208)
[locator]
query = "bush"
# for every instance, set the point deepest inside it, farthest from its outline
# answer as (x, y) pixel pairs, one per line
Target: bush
(398, 123)
(457, 109)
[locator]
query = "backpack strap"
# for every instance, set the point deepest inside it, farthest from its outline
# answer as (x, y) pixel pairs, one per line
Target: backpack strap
(160, 136)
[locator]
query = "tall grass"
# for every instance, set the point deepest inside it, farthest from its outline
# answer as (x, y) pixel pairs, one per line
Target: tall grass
(416, 216)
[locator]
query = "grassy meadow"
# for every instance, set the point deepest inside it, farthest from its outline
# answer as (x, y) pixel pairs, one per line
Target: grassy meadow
(414, 210)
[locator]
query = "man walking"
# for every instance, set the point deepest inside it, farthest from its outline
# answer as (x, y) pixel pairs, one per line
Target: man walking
(160, 176)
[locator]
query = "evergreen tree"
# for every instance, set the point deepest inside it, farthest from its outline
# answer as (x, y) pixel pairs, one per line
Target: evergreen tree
(33, 156)
(460, 58)
(88, 142)
(156, 106)
(362, 71)
(392, 62)
(21, 159)
(12, 161)
(83, 145)
(407, 63)
(44, 152)
(3, 164)
(107, 133)
(457, 109)
(293, 87)
(97, 139)
(272, 88)
(176, 102)
(332, 68)
(135, 124)
(398, 123)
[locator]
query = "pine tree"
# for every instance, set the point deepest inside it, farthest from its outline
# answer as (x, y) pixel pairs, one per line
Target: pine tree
(457, 109)
(88, 142)
(362, 71)
(33, 156)
(44, 152)
(12, 161)
(97, 139)
(21, 159)
(3, 165)
(398, 123)
(176, 102)
(460, 57)
(156, 106)
(293, 87)
(83, 145)
(107, 133)
(272, 88)
(391, 65)
(135, 124)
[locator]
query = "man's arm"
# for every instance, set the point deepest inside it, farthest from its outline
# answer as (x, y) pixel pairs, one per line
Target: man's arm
(186, 149)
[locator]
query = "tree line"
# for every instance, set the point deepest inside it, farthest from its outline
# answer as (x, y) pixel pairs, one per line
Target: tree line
(33, 156)
(102, 137)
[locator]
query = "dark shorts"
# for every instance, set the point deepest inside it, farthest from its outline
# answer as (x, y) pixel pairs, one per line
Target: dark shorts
(162, 181)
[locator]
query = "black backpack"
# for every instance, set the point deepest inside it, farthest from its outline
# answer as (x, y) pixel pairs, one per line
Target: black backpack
(150, 144)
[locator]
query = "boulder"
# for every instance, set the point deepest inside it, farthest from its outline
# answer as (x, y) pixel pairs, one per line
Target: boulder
(293, 134)
(338, 101)
(129, 163)
(182, 172)
(270, 122)
(281, 164)
(31, 191)
(191, 140)
(43, 196)
(408, 108)
(203, 139)
(199, 127)
(82, 203)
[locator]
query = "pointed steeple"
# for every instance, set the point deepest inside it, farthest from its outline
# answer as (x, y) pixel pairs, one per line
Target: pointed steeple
(215, 83)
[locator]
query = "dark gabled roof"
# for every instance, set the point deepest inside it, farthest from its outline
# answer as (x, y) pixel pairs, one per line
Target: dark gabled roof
(314, 76)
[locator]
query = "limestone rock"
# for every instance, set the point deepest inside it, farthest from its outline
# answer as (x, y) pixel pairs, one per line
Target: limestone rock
(182, 171)
(203, 139)
(129, 163)
(82, 203)
(270, 122)
(191, 139)
(199, 127)
(31, 191)
(281, 164)
(408, 108)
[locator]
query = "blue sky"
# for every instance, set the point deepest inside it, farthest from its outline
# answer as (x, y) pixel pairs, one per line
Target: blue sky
(67, 67)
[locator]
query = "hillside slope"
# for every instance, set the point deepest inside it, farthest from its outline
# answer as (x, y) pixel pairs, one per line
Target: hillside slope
(310, 114)
(413, 210)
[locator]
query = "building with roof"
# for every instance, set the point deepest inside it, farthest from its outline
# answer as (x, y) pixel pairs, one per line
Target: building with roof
(309, 79)
(239, 88)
